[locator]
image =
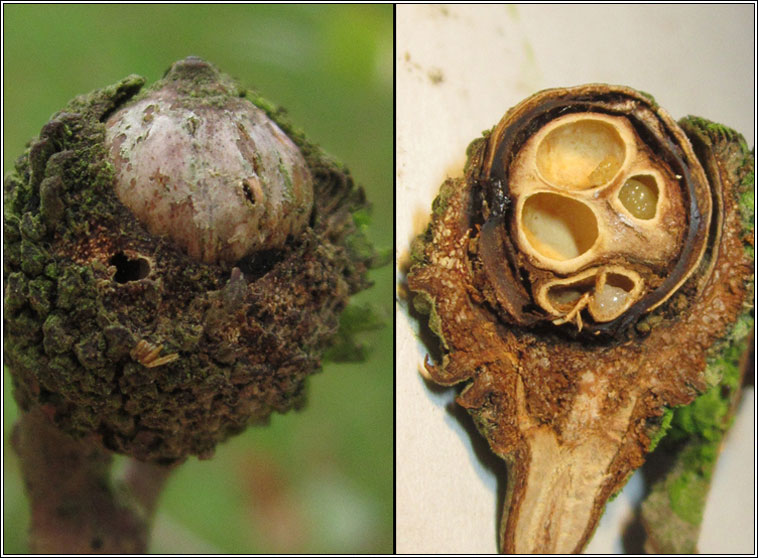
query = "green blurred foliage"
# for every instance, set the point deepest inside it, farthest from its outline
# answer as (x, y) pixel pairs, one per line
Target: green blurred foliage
(319, 480)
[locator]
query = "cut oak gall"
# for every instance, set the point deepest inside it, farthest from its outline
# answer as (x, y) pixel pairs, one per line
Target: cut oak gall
(585, 188)
(585, 274)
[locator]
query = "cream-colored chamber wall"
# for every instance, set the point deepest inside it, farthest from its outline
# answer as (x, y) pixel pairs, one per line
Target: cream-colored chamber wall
(459, 68)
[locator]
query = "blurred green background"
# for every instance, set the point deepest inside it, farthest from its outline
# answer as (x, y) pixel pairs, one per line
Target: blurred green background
(319, 480)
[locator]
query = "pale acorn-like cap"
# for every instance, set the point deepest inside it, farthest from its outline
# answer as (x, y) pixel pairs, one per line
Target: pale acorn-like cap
(205, 167)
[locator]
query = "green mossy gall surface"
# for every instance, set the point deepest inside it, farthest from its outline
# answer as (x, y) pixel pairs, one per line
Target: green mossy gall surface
(85, 282)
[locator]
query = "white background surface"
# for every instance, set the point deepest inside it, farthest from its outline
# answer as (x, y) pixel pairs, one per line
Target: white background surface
(459, 68)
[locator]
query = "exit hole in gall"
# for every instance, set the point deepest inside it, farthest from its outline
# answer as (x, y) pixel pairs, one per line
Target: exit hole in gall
(129, 269)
